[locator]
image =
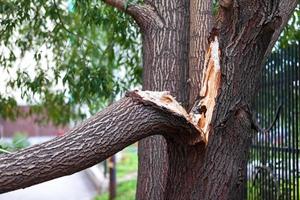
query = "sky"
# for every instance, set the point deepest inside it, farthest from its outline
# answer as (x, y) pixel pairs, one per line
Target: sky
(26, 63)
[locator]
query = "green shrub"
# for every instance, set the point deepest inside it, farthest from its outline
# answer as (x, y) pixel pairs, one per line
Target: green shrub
(125, 191)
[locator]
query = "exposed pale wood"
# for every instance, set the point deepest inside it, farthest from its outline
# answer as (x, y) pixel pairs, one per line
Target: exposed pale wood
(202, 112)
(164, 100)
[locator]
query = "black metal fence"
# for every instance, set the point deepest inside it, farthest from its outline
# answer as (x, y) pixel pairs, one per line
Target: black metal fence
(274, 165)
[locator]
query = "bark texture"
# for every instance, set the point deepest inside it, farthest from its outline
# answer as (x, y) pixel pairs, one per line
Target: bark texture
(121, 124)
(178, 164)
(165, 55)
(201, 22)
(245, 30)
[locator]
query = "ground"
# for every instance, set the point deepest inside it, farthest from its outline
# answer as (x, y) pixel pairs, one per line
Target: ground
(76, 187)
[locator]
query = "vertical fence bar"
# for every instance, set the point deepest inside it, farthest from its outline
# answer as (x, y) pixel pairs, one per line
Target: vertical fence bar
(286, 122)
(297, 124)
(282, 128)
(291, 116)
(278, 132)
(293, 67)
(272, 133)
(266, 135)
(290, 89)
(294, 131)
(293, 120)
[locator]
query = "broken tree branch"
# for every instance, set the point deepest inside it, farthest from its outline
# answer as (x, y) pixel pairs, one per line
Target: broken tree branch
(136, 116)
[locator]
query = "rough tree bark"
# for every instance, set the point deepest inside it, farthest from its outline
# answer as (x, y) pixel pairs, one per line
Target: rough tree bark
(246, 31)
(201, 155)
(132, 118)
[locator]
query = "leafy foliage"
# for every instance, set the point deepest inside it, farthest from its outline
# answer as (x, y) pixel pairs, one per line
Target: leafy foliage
(84, 47)
(291, 33)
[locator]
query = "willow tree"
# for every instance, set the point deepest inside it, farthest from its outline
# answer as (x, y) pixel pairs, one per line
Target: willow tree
(194, 139)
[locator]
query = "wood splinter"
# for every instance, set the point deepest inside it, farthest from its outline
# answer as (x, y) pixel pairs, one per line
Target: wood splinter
(202, 112)
(167, 103)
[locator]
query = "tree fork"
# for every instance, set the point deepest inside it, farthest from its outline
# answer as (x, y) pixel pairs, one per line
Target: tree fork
(246, 32)
(138, 115)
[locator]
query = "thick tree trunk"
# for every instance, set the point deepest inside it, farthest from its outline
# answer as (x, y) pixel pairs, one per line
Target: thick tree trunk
(244, 30)
(121, 124)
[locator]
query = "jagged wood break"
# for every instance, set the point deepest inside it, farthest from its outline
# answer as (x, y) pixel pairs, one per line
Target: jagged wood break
(165, 102)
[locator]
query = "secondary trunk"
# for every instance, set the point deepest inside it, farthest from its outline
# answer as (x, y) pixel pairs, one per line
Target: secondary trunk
(165, 56)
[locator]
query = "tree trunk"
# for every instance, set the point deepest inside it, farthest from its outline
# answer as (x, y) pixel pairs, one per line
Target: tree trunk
(165, 53)
(244, 30)
(166, 67)
(201, 155)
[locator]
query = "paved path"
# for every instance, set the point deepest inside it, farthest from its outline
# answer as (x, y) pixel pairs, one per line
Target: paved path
(127, 177)
(73, 187)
